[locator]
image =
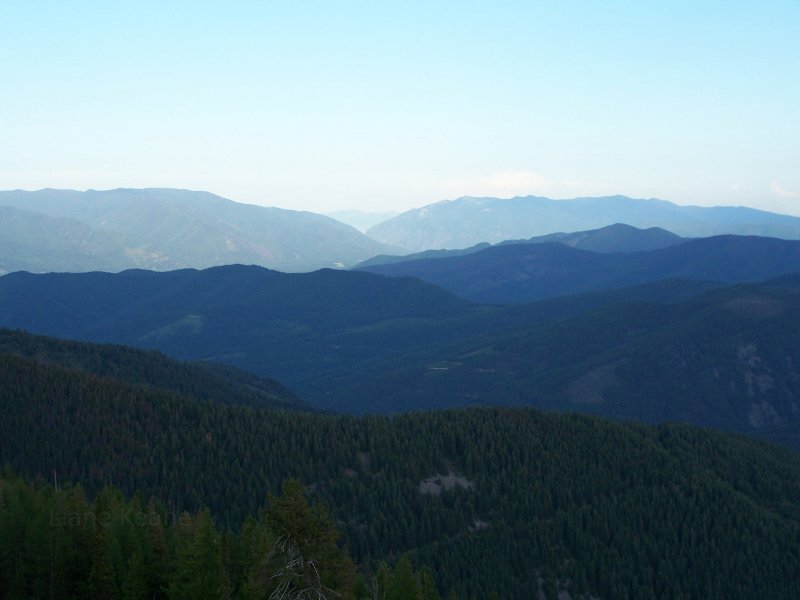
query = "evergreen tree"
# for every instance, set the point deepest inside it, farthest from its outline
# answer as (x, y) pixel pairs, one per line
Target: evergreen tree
(199, 573)
(101, 584)
(427, 585)
(135, 585)
(403, 584)
(305, 557)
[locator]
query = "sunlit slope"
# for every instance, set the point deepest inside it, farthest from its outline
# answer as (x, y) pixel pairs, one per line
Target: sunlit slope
(168, 228)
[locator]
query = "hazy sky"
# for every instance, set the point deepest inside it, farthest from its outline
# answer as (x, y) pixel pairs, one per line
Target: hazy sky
(386, 106)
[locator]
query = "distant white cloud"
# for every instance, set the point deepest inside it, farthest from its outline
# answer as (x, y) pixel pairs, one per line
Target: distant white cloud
(735, 187)
(776, 189)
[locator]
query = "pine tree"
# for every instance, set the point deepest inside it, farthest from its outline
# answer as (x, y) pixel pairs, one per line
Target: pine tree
(101, 584)
(199, 571)
(134, 586)
(427, 585)
(403, 585)
(305, 555)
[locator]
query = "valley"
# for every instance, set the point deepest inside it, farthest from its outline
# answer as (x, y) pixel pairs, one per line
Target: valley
(399, 301)
(550, 390)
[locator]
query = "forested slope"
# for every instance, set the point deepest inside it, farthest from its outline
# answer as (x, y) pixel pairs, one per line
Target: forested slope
(315, 332)
(56, 543)
(203, 381)
(726, 359)
(492, 500)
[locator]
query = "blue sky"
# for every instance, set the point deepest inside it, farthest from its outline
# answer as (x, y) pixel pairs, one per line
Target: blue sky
(387, 106)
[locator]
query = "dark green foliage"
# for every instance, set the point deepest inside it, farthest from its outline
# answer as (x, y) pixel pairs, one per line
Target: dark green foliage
(199, 572)
(194, 555)
(204, 381)
(550, 501)
(101, 584)
(403, 583)
(306, 540)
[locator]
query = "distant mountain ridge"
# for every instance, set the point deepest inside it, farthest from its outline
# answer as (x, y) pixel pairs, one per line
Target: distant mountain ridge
(467, 221)
(725, 359)
(525, 272)
(33, 241)
(618, 237)
(357, 342)
(295, 327)
(612, 238)
(164, 229)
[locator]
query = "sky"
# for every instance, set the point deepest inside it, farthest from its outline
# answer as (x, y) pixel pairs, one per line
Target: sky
(386, 106)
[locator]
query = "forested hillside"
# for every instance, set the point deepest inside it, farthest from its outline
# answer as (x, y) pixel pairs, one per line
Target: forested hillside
(55, 543)
(296, 328)
(203, 381)
(490, 500)
(725, 359)
(315, 332)
(358, 343)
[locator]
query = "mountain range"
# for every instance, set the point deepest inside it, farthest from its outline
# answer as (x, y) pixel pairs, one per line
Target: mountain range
(698, 352)
(725, 358)
(523, 272)
(164, 229)
(467, 487)
(486, 500)
(612, 238)
(467, 221)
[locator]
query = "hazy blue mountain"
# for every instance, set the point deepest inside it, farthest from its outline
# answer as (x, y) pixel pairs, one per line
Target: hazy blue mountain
(359, 219)
(387, 259)
(166, 228)
(727, 359)
(294, 327)
(312, 331)
(614, 238)
(525, 272)
(32, 241)
(357, 342)
(468, 221)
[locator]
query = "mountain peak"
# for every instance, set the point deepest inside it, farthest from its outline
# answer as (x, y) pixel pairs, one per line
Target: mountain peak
(465, 221)
(165, 228)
